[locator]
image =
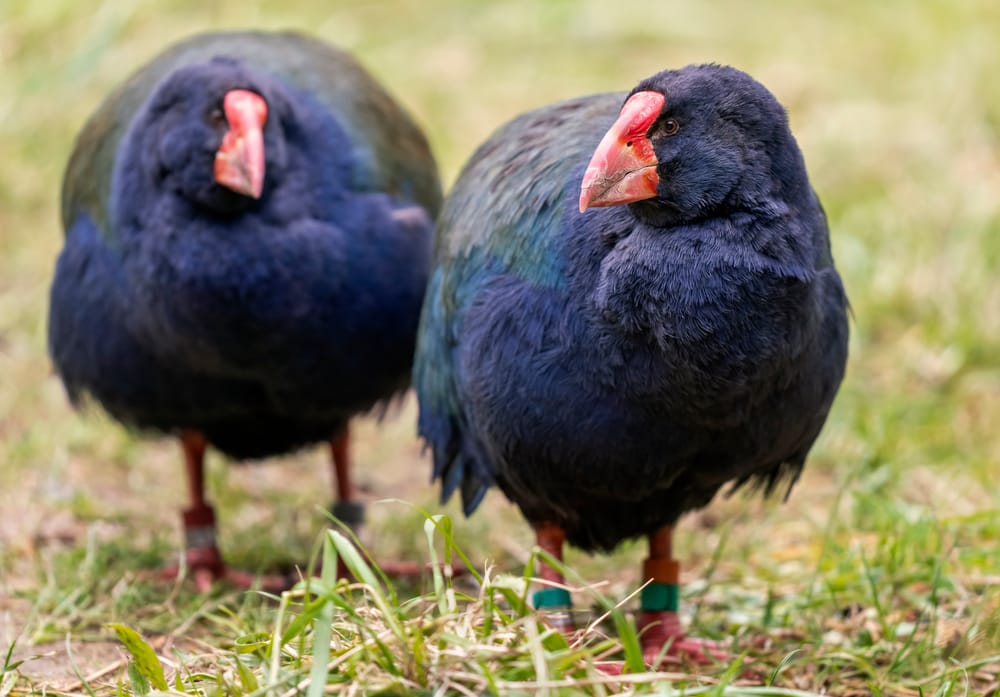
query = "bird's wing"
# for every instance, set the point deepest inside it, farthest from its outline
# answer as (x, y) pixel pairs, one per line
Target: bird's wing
(504, 215)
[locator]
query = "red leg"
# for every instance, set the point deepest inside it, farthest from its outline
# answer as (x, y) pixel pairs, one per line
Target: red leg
(658, 623)
(194, 446)
(346, 507)
(201, 552)
(553, 599)
(341, 465)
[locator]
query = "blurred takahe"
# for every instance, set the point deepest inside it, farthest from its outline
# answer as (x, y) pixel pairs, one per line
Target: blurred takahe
(248, 237)
(611, 343)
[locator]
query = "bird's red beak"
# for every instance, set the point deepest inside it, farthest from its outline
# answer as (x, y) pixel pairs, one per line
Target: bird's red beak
(239, 162)
(623, 168)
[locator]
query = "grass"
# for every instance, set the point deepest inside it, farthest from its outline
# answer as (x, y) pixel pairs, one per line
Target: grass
(880, 575)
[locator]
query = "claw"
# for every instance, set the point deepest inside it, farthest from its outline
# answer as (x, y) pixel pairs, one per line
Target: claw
(203, 580)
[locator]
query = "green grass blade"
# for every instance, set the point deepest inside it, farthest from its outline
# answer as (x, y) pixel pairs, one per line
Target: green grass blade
(323, 625)
(786, 661)
(144, 658)
(356, 564)
(457, 550)
(443, 591)
(277, 640)
(140, 684)
(631, 646)
(8, 679)
(76, 669)
(438, 578)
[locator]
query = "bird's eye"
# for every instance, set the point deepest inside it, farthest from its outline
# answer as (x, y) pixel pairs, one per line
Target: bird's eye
(216, 117)
(670, 127)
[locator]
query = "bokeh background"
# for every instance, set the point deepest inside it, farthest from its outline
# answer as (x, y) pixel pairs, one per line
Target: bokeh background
(896, 105)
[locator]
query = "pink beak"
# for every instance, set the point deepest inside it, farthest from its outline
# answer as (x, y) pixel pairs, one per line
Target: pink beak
(623, 168)
(239, 162)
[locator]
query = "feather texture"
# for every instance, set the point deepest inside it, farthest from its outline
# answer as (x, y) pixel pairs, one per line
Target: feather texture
(265, 324)
(614, 369)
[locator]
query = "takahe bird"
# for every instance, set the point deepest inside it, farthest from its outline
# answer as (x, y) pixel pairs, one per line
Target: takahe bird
(248, 239)
(612, 369)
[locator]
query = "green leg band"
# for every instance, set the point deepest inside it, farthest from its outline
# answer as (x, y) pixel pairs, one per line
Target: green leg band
(551, 598)
(660, 597)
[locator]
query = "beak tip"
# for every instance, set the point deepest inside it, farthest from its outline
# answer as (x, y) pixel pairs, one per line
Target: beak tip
(255, 185)
(235, 173)
(587, 186)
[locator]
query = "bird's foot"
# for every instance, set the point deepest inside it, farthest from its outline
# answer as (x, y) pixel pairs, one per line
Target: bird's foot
(206, 575)
(201, 555)
(204, 563)
(663, 641)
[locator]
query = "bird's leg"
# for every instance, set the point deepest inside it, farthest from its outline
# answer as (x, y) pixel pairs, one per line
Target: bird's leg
(554, 599)
(351, 511)
(201, 552)
(346, 508)
(658, 623)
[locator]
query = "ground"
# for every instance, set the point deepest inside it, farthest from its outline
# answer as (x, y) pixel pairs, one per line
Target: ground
(880, 573)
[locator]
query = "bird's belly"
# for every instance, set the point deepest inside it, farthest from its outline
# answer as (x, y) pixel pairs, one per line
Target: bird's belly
(567, 441)
(579, 418)
(606, 469)
(305, 341)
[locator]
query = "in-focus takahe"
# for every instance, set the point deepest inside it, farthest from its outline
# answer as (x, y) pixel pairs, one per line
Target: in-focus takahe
(248, 237)
(611, 343)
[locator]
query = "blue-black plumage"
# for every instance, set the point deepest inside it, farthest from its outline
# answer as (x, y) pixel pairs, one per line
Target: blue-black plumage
(248, 229)
(612, 369)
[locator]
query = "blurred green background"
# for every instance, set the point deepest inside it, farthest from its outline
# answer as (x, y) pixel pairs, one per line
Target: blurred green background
(896, 105)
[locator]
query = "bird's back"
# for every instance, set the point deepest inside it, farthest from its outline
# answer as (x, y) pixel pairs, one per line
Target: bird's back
(527, 166)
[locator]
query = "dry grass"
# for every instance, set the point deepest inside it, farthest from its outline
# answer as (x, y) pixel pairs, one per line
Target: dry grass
(879, 576)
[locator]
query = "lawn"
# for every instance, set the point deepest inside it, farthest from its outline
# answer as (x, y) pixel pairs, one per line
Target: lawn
(879, 575)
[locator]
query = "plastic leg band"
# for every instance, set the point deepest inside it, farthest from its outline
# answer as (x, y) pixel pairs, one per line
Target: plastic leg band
(551, 598)
(660, 597)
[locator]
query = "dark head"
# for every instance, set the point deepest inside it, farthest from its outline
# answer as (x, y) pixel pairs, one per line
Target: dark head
(698, 142)
(212, 134)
